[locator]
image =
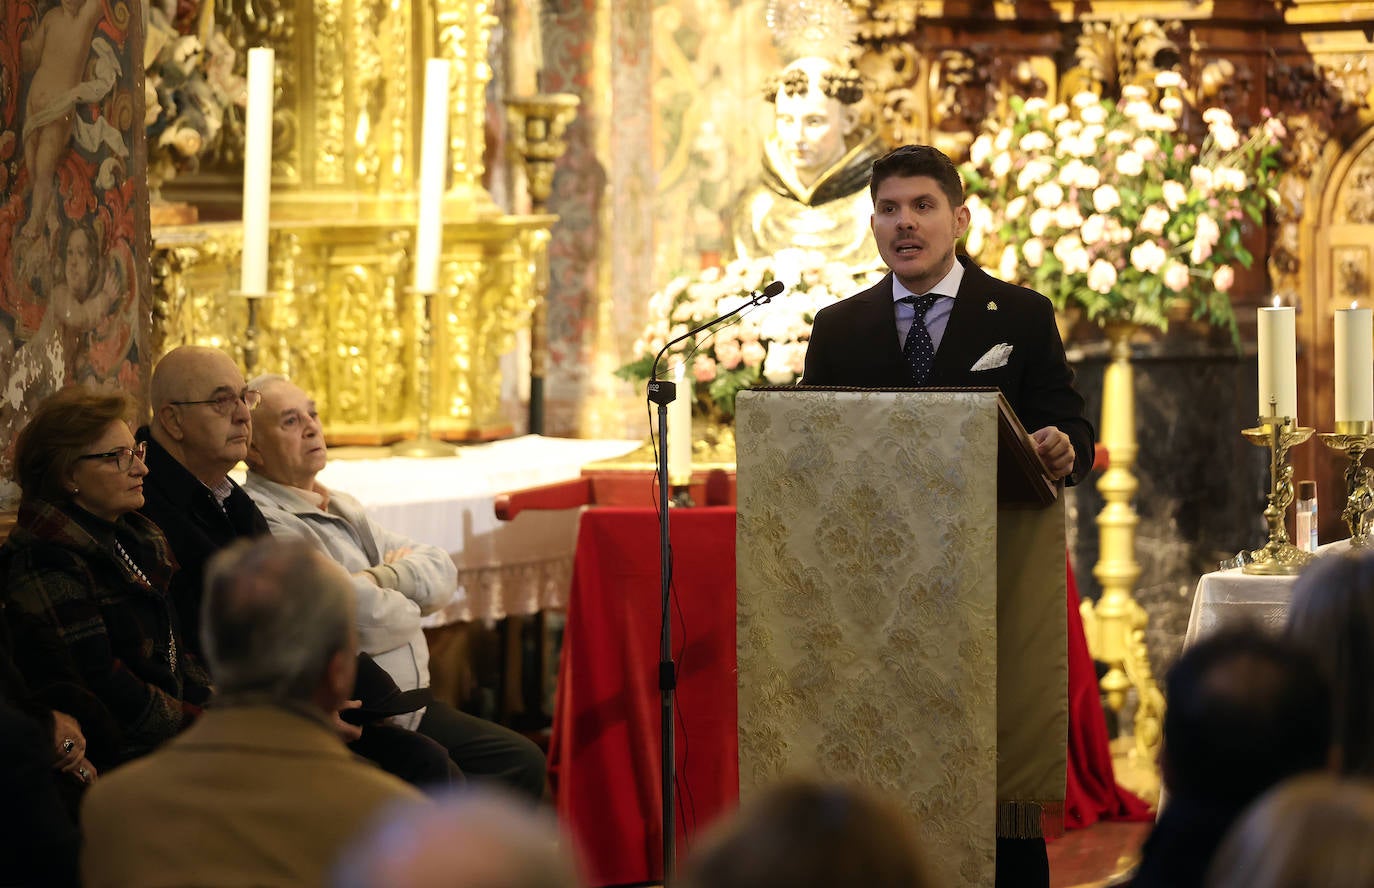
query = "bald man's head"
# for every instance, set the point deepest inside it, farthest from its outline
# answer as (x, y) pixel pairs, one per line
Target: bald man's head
(200, 416)
(180, 373)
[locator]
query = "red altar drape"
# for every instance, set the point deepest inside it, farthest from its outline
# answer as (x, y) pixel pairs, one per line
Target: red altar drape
(1092, 793)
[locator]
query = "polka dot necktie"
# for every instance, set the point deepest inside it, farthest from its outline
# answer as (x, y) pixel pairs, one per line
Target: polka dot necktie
(918, 350)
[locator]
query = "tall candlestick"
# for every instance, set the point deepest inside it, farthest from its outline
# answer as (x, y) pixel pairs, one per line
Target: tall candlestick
(680, 430)
(257, 171)
(1354, 365)
(1278, 361)
(429, 232)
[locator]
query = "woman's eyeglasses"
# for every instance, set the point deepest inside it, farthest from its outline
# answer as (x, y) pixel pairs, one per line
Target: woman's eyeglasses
(123, 457)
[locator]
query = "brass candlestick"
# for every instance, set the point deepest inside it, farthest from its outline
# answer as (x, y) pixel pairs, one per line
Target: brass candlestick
(1354, 439)
(1279, 557)
(251, 331)
(537, 126)
(423, 445)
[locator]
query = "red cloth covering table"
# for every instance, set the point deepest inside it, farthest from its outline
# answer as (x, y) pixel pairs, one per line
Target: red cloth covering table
(605, 750)
(604, 753)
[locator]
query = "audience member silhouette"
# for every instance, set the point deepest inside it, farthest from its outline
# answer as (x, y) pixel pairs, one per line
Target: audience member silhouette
(1331, 615)
(809, 834)
(477, 837)
(1313, 831)
(1245, 711)
(261, 790)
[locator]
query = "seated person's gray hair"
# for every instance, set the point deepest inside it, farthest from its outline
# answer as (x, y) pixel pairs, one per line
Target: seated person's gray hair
(262, 379)
(275, 612)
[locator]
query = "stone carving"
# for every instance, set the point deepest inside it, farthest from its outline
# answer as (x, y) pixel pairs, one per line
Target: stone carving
(1225, 84)
(1110, 55)
(1352, 273)
(894, 70)
(813, 189)
(1357, 201)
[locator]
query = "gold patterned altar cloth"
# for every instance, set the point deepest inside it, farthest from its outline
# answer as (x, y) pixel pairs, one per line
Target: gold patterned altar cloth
(868, 614)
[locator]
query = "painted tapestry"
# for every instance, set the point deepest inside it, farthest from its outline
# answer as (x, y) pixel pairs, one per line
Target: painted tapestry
(73, 217)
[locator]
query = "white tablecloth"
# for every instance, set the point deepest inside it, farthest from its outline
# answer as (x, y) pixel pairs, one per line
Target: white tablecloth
(504, 567)
(1229, 596)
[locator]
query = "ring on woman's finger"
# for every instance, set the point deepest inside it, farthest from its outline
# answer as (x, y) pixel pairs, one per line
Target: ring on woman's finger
(68, 745)
(84, 775)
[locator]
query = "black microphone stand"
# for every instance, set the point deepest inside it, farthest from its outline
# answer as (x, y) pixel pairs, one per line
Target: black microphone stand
(662, 392)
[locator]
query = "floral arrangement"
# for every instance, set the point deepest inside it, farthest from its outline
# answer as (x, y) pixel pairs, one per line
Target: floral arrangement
(1109, 206)
(764, 344)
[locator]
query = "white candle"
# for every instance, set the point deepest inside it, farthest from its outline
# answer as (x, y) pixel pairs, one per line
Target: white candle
(1354, 364)
(1278, 361)
(680, 430)
(257, 171)
(429, 233)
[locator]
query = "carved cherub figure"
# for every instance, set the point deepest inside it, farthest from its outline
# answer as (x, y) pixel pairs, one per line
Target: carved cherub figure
(1359, 505)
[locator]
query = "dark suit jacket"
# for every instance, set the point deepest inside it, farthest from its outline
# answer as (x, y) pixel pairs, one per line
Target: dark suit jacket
(855, 343)
(195, 526)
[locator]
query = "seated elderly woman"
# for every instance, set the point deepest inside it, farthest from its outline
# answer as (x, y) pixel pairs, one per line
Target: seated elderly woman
(84, 565)
(396, 580)
(1331, 614)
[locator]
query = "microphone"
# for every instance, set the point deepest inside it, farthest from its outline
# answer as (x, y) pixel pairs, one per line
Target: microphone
(765, 296)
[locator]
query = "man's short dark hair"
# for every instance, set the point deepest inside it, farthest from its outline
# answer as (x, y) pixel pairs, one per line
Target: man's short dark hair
(1246, 709)
(918, 160)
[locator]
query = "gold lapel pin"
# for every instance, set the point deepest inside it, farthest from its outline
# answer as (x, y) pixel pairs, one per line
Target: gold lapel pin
(992, 306)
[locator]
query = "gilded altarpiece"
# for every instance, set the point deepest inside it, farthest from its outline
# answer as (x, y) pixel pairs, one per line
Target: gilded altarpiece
(342, 319)
(938, 69)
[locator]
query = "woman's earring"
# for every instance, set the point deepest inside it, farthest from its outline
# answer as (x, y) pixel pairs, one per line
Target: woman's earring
(75, 491)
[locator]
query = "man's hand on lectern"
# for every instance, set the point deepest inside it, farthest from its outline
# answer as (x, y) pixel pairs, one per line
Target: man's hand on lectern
(1055, 449)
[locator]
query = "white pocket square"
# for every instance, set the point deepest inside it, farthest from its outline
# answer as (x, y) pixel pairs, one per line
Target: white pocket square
(997, 356)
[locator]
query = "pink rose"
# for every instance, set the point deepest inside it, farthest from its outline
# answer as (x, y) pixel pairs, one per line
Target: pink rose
(703, 368)
(1176, 277)
(1106, 198)
(728, 353)
(1223, 278)
(1102, 276)
(753, 353)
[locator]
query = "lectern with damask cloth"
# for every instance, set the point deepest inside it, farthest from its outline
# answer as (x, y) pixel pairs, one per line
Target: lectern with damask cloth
(900, 565)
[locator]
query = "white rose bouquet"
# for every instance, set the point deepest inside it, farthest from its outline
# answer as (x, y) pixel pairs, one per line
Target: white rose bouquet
(1111, 207)
(766, 344)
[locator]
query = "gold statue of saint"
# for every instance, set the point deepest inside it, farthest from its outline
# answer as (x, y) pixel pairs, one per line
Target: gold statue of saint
(813, 193)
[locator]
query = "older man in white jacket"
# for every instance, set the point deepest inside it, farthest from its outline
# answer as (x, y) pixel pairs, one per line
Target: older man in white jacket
(396, 580)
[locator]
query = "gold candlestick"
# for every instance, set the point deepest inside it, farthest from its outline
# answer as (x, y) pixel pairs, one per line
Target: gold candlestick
(1354, 439)
(251, 331)
(538, 123)
(1279, 557)
(423, 445)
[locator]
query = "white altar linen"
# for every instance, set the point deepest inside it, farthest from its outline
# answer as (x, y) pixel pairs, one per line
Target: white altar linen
(1229, 596)
(504, 567)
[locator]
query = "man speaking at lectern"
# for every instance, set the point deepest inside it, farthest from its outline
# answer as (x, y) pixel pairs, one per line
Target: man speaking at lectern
(940, 321)
(976, 330)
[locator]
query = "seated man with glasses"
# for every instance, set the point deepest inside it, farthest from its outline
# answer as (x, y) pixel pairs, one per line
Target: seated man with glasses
(201, 425)
(200, 430)
(396, 580)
